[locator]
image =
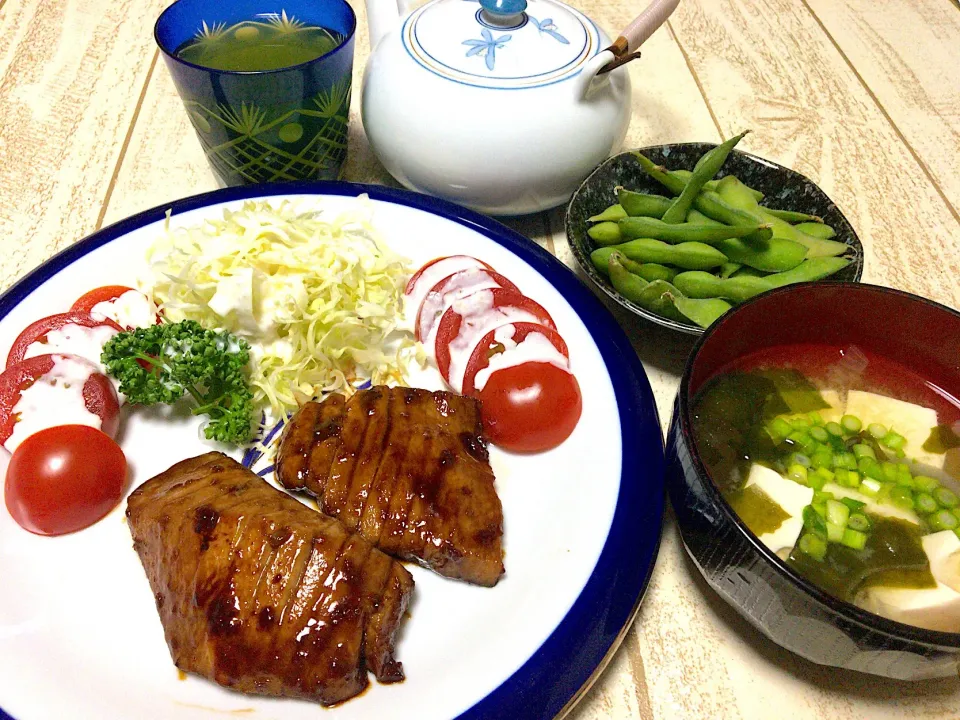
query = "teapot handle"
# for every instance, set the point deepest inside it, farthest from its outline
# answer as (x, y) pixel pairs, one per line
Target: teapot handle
(626, 47)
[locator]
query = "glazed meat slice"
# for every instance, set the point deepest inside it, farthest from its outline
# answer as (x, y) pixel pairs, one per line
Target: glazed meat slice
(408, 470)
(259, 592)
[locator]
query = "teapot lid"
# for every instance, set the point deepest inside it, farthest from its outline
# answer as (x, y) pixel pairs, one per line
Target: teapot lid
(501, 44)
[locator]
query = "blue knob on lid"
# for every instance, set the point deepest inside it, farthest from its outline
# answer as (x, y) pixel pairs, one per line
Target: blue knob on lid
(503, 8)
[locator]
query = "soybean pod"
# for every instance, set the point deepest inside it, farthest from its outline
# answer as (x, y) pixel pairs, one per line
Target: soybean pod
(792, 216)
(605, 233)
(611, 214)
(646, 227)
(773, 255)
(642, 205)
(808, 271)
(706, 167)
(729, 268)
(704, 312)
(700, 284)
(689, 255)
(653, 296)
(816, 229)
(710, 184)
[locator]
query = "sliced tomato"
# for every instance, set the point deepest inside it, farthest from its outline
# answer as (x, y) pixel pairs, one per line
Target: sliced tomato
(452, 288)
(61, 389)
(74, 333)
(433, 272)
(125, 306)
(469, 318)
(514, 344)
(530, 407)
(64, 479)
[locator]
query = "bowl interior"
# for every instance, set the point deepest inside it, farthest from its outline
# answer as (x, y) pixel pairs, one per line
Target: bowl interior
(907, 329)
(782, 187)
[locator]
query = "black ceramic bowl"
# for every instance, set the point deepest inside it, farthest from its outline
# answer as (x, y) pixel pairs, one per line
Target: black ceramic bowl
(791, 611)
(782, 187)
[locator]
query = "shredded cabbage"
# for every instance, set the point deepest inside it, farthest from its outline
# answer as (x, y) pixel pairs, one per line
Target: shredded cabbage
(317, 297)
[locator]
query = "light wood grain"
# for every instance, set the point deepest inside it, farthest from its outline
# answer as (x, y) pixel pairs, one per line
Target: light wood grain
(901, 50)
(71, 73)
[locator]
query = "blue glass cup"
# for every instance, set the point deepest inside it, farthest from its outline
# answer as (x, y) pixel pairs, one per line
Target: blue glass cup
(269, 125)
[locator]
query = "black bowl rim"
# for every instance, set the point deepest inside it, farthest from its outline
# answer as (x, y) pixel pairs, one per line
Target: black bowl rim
(686, 328)
(849, 611)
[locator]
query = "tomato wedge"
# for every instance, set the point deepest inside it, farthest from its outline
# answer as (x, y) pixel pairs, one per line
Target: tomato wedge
(513, 344)
(530, 407)
(452, 288)
(469, 318)
(64, 479)
(124, 305)
(433, 272)
(48, 390)
(69, 333)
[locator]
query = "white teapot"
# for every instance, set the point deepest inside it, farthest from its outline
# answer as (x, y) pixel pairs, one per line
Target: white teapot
(504, 106)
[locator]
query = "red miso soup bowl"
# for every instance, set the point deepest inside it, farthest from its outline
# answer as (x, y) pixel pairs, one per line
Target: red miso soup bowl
(788, 609)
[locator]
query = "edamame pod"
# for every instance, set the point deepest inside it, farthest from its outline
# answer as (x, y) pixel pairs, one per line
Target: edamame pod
(729, 268)
(642, 205)
(704, 312)
(605, 233)
(711, 184)
(707, 166)
(816, 230)
(700, 284)
(791, 216)
(647, 227)
(653, 296)
(650, 271)
(689, 255)
(734, 193)
(773, 255)
(611, 214)
(748, 271)
(809, 270)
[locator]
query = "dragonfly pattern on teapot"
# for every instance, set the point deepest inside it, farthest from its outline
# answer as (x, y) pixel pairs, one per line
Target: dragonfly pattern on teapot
(548, 26)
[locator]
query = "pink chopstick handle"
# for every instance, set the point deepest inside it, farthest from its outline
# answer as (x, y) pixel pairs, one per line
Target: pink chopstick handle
(637, 32)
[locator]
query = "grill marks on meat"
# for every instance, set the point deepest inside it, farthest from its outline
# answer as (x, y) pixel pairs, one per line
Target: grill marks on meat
(260, 593)
(408, 470)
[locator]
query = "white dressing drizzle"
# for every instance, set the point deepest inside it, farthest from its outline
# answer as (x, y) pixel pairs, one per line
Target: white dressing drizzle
(461, 284)
(54, 399)
(132, 309)
(72, 339)
(535, 347)
(431, 276)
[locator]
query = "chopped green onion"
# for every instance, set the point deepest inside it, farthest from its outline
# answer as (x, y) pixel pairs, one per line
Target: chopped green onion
(837, 512)
(848, 460)
(859, 522)
(901, 497)
(889, 471)
(834, 428)
(812, 520)
(800, 423)
(800, 439)
(871, 468)
(942, 520)
(854, 505)
(851, 423)
(814, 546)
(946, 497)
(894, 440)
(834, 532)
(926, 483)
(861, 451)
(825, 473)
(822, 496)
(815, 480)
(904, 477)
(822, 458)
(797, 473)
(815, 418)
(779, 429)
(818, 434)
(877, 430)
(924, 503)
(870, 487)
(854, 539)
(799, 459)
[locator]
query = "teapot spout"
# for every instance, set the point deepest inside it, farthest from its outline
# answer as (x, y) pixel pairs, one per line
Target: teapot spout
(383, 16)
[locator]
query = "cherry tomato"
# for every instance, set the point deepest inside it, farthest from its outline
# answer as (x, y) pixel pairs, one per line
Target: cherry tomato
(37, 332)
(108, 294)
(452, 288)
(426, 277)
(468, 319)
(98, 394)
(489, 346)
(64, 479)
(530, 407)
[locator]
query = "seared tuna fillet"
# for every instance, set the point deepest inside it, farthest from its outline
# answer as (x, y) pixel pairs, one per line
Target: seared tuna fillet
(408, 470)
(260, 593)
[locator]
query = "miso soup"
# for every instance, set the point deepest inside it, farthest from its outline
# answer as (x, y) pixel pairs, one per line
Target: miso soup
(847, 466)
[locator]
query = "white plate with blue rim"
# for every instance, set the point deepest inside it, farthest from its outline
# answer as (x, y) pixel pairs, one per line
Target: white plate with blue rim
(79, 633)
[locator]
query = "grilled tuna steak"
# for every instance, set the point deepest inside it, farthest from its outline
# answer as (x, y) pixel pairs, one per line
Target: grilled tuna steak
(405, 468)
(260, 593)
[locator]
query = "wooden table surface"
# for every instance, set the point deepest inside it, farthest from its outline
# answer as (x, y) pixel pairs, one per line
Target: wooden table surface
(863, 96)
